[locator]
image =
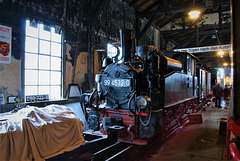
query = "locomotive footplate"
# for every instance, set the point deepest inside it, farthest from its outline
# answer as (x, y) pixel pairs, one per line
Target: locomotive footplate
(124, 122)
(134, 141)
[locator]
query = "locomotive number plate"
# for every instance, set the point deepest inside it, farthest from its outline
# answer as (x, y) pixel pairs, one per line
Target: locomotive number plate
(117, 82)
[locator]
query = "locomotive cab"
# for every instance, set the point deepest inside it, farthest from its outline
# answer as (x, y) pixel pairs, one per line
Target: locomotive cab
(181, 85)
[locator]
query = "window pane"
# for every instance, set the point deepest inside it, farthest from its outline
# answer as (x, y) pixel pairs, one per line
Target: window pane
(43, 89)
(43, 77)
(31, 77)
(44, 47)
(31, 61)
(31, 31)
(55, 78)
(55, 92)
(31, 45)
(44, 62)
(56, 49)
(55, 63)
(30, 90)
(55, 37)
(43, 34)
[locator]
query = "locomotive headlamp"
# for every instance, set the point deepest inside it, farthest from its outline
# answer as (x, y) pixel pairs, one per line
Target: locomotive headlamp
(85, 98)
(113, 51)
(142, 102)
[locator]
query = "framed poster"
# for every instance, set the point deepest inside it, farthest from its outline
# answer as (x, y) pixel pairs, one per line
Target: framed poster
(5, 44)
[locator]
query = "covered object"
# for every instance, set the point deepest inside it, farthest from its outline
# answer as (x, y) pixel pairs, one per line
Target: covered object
(36, 133)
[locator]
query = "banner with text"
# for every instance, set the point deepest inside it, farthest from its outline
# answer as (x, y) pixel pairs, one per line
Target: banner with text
(204, 49)
(5, 44)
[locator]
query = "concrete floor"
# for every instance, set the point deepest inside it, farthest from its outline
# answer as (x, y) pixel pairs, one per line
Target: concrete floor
(196, 142)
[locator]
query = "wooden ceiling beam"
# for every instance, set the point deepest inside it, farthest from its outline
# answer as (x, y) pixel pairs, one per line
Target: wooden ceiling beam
(224, 31)
(102, 4)
(133, 3)
(186, 42)
(203, 55)
(174, 41)
(178, 9)
(203, 38)
(142, 4)
(152, 6)
(167, 20)
(209, 27)
(146, 27)
(206, 60)
(159, 19)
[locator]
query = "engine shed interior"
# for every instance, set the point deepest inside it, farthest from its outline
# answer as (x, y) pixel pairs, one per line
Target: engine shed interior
(125, 76)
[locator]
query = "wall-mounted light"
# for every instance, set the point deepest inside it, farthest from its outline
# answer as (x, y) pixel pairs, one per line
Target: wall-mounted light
(194, 14)
(220, 53)
(214, 37)
(225, 64)
(227, 80)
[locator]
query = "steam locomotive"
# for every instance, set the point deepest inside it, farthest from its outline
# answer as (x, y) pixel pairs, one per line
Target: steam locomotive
(142, 92)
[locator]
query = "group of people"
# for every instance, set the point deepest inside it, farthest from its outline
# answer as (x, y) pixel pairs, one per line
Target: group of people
(218, 92)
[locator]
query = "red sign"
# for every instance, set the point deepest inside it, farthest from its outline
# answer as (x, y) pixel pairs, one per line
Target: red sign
(5, 44)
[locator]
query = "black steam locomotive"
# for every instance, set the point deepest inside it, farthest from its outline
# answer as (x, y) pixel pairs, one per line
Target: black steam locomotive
(142, 92)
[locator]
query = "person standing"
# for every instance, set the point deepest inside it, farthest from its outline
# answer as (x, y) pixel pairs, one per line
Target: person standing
(226, 95)
(217, 91)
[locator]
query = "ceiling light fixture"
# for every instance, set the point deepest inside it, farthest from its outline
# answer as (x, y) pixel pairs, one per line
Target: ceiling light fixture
(214, 37)
(225, 64)
(194, 13)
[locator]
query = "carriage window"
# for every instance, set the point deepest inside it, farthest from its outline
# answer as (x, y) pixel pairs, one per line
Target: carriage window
(43, 61)
(189, 65)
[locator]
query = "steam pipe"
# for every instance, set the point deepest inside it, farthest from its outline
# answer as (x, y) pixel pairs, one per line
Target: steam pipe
(130, 100)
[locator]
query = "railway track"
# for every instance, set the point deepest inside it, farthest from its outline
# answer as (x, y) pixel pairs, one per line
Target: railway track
(142, 152)
(101, 149)
(112, 152)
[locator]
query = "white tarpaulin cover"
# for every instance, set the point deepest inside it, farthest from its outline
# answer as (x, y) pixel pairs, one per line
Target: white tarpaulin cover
(39, 133)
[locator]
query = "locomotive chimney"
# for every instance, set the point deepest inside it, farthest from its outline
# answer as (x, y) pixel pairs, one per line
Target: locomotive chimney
(126, 43)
